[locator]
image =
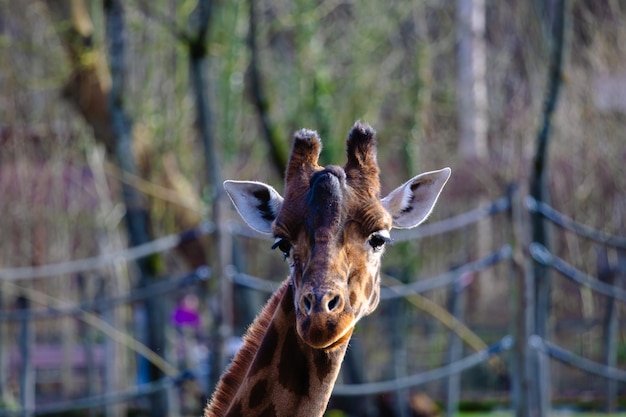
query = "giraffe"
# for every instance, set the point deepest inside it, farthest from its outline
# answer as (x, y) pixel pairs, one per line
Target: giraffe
(331, 227)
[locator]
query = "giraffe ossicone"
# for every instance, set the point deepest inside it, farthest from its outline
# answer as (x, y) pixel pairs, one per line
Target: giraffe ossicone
(332, 227)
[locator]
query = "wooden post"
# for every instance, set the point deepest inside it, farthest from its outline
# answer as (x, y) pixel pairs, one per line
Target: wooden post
(539, 191)
(68, 343)
(4, 351)
(276, 144)
(137, 216)
(456, 305)
(398, 359)
(119, 283)
(111, 373)
(223, 314)
(27, 373)
(522, 306)
(86, 334)
(610, 329)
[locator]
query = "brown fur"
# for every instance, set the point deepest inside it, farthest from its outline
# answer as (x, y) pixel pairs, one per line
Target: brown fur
(243, 388)
(232, 379)
(331, 227)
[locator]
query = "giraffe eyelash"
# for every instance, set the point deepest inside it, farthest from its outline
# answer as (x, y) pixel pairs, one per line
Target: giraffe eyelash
(283, 245)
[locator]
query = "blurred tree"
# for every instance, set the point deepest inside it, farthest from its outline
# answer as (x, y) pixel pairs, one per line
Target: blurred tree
(472, 82)
(88, 88)
(137, 214)
(196, 40)
(99, 96)
(473, 122)
(275, 141)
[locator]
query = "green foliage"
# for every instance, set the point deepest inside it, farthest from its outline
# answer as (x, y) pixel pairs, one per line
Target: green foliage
(477, 406)
(335, 413)
(621, 351)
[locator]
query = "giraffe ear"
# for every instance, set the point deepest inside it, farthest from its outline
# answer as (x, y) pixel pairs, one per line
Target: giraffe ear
(257, 203)
(412, 202)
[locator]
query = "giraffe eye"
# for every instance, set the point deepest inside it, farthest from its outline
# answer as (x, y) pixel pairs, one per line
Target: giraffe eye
(283, 245)
(378, 240)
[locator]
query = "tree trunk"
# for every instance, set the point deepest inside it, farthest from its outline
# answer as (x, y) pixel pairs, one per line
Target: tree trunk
(539, 191)
(199, 25)
(472, 108)
(471, 82)
(27, 372)
(275, 142)
(137, 218)
(87, 90)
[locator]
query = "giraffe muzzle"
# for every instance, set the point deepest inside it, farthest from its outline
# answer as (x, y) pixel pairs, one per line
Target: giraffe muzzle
(323, 319)
(325, 302)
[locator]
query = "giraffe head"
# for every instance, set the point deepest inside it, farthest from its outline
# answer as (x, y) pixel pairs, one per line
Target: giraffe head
(332, 227)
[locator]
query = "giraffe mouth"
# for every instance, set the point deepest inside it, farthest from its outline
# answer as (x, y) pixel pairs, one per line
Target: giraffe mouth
(323, 332)
(341, 341)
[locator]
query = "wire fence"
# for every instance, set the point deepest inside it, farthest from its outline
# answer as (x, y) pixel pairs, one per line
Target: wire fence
(95, 401)
(541, 254)
(580, 229)
(536, 251)
(604, 284)
(427, 376)
(140, 294)
(571, 359)
(160, 245)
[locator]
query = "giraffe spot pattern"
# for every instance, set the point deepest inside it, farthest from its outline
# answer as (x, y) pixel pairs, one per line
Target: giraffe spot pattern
(352, 298)
(293, 367)
(368, 289)
(323, 365)
(331, 326)
(287, 302)
(265, 354)
(257, 394)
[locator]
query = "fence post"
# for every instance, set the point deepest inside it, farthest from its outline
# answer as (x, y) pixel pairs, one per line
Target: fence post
(4, 351)
(522, 305)
(222, 288)
(86, 333)
(456, 305)
(137, 215)
(399, 360)
(538, 189)
(27, 382)
(610, 329)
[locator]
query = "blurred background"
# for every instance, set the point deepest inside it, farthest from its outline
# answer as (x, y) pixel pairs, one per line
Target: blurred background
(118, 123)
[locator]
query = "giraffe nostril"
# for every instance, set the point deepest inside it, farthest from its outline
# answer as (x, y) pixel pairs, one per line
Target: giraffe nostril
(320, 302)
(333, 303)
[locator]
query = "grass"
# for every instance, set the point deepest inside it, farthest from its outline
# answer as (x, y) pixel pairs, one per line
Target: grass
(555, 413)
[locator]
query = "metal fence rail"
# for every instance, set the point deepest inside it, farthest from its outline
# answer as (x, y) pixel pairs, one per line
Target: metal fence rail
(140, 294)
(567, 223)
(571, 359)
(538, 252)
(95, 401)
(543, 255)
(453, 223)
(421, 378)
(159, 245)
(447, 278)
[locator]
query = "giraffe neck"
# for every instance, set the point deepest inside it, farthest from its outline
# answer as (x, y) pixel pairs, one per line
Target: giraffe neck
(275, 373)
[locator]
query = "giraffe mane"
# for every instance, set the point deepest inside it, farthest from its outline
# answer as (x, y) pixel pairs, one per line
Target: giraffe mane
(234, 376)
